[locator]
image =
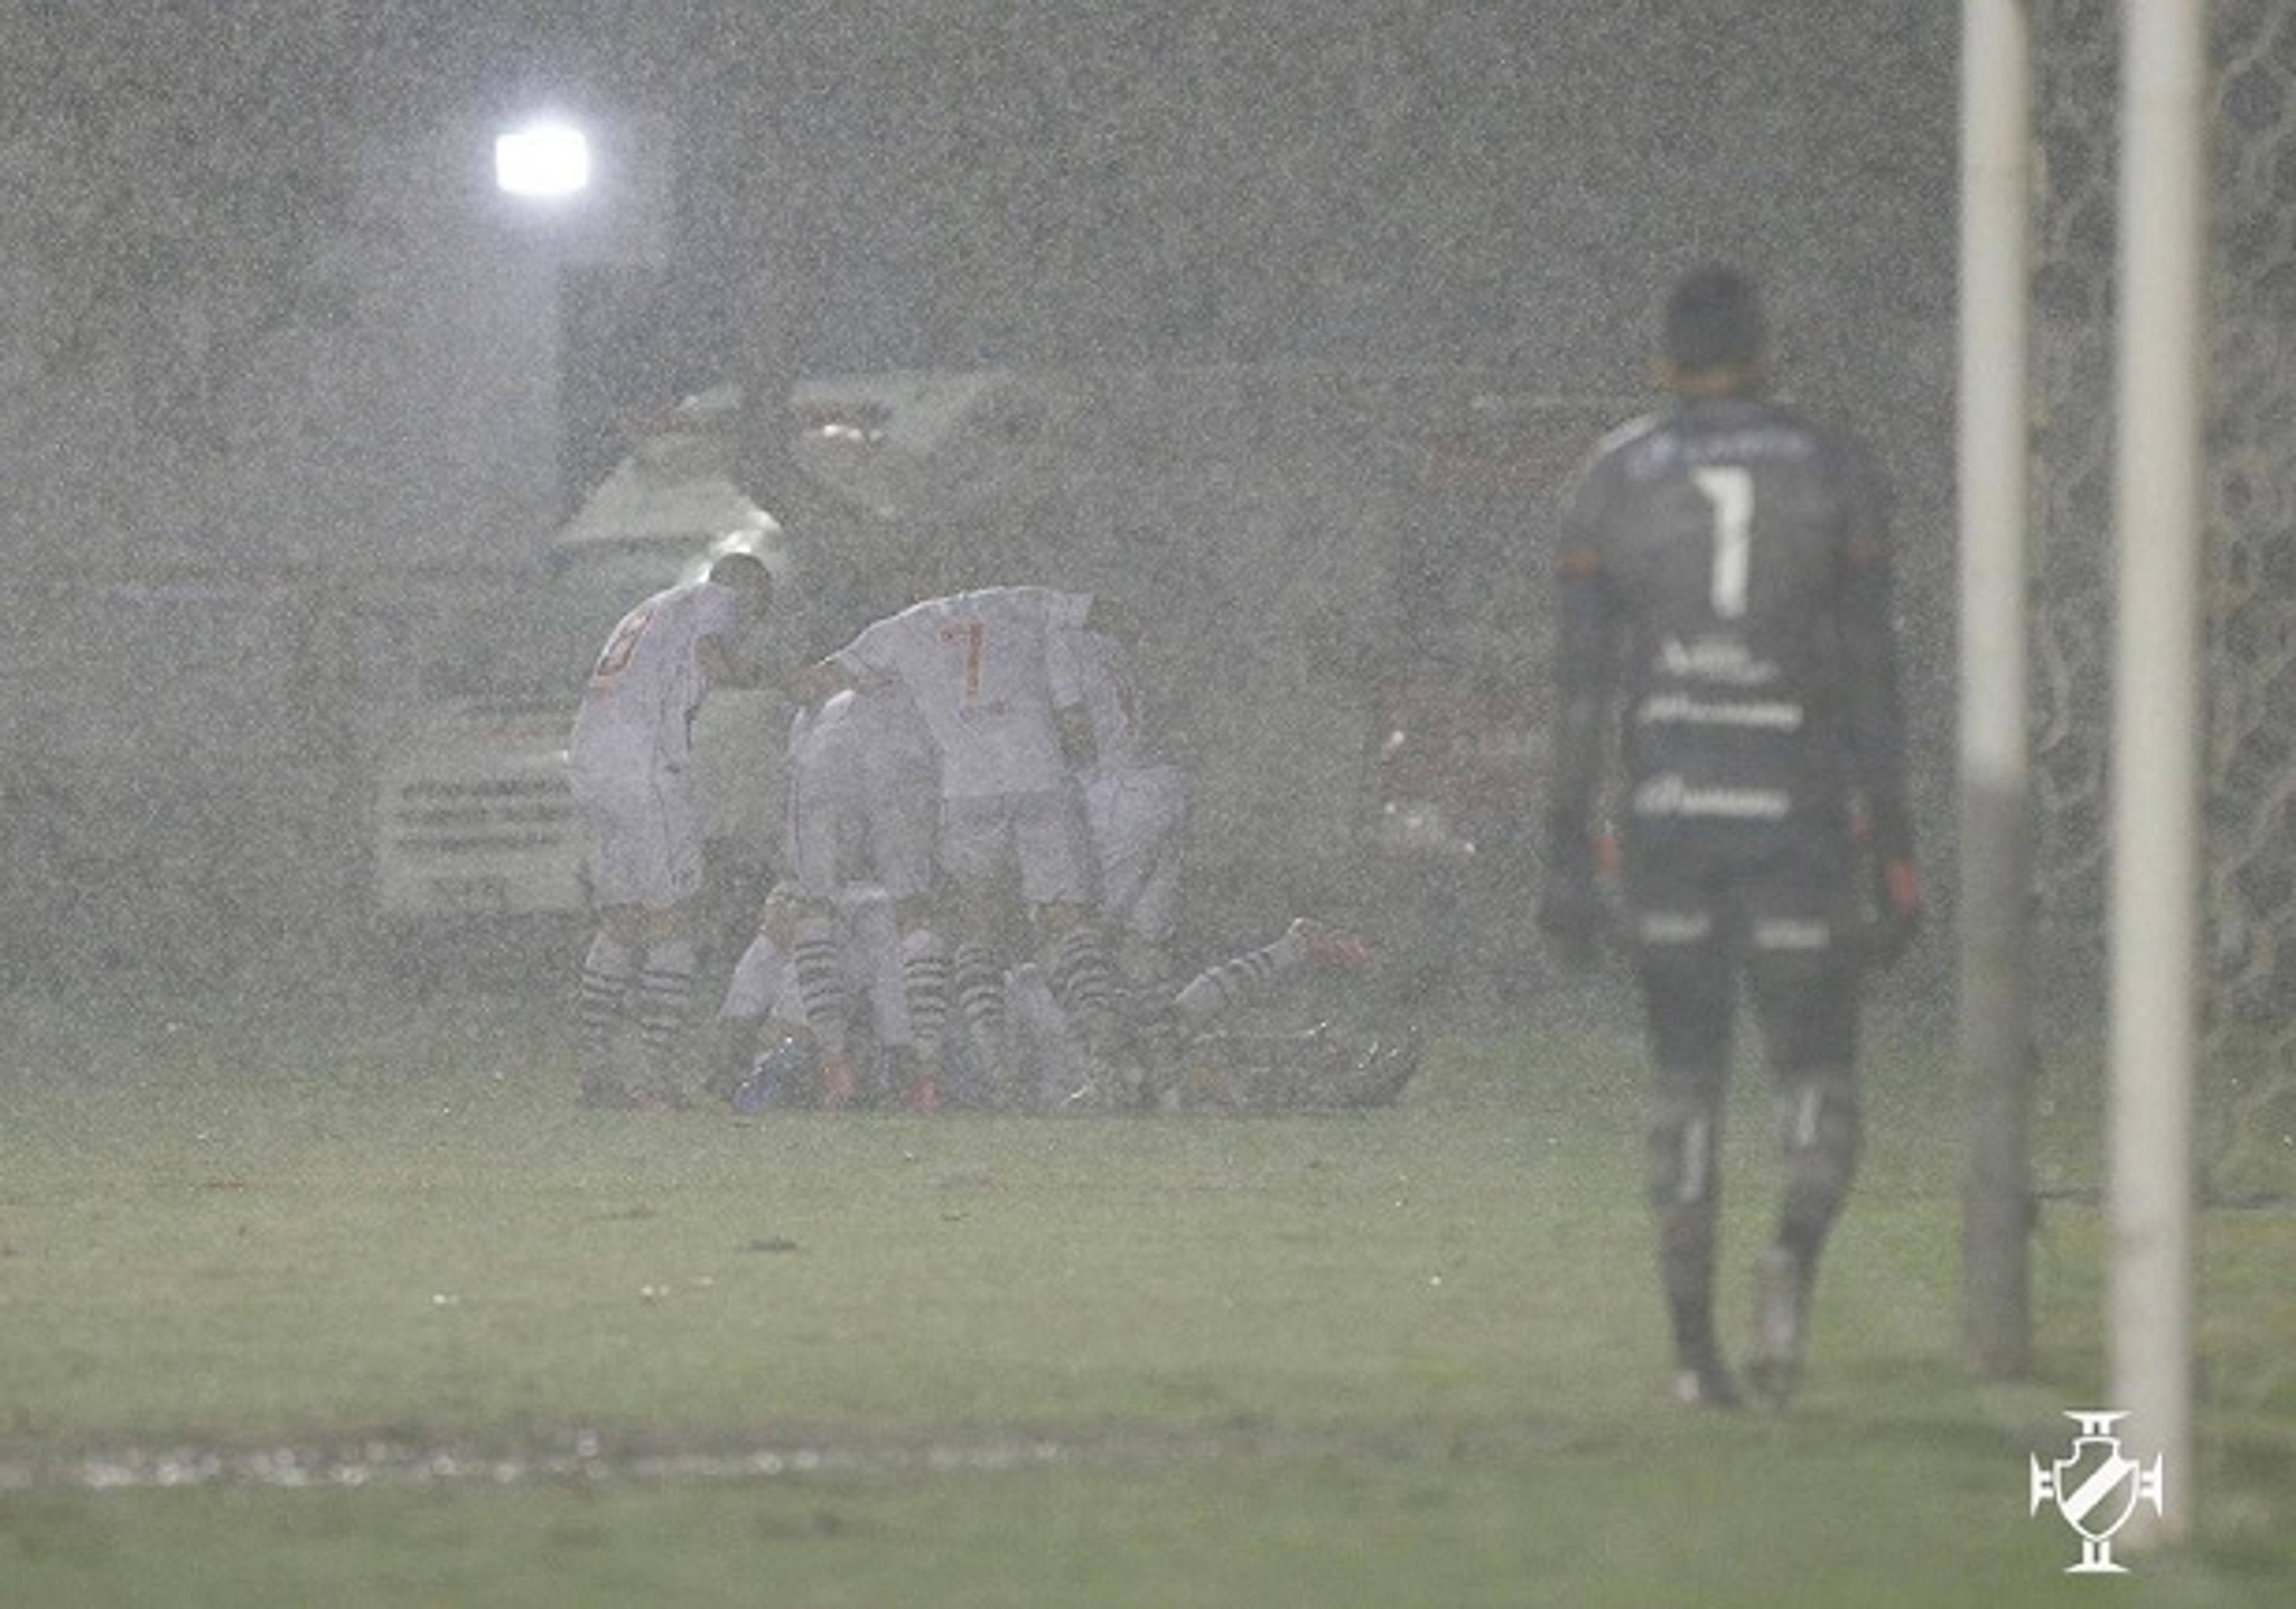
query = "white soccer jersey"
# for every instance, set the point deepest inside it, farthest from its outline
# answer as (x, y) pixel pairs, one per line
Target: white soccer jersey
(638, 711)
(864, 795)
(978, 667)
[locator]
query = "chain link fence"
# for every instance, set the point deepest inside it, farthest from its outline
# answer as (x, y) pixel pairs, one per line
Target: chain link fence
(2249, 786)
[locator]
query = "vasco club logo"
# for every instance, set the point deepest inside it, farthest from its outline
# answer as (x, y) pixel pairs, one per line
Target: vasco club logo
(2097, 1488)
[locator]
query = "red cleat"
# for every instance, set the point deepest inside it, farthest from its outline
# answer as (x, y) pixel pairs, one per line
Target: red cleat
(837, 1084)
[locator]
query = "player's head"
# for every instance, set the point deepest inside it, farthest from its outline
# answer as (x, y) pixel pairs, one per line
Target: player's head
(1714, 336)
(748, 578)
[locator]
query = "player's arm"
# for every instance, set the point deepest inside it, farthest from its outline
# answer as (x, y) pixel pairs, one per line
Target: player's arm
(822, 679)
(868, 661)
(1875, 711)
(1876, 725)
(1587, 653)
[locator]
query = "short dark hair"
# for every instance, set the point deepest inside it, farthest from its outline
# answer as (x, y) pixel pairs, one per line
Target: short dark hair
(1714, 321)
(744, 571)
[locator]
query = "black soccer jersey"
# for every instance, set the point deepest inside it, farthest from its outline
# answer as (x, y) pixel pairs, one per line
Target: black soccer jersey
(1724, 571)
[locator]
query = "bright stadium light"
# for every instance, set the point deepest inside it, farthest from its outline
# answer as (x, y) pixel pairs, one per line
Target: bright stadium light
(543, 159)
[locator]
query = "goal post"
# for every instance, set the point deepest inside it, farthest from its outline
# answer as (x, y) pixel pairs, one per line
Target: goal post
(2160, 334)
(1994, 835)
(2160, 347)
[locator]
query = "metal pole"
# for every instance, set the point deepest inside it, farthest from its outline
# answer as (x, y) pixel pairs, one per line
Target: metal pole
(1994, 830)
(2157, 734)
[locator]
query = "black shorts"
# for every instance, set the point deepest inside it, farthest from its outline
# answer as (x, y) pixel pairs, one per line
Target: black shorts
(1779, 908)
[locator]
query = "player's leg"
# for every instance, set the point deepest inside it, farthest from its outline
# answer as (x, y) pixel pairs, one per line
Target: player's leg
(665, 997)
(670, 857)
(825, 843)
(1054, 1071)
(1133, 818)
(622, 869)
(1805, 974)
(1082, 977)
(871, 924)
(903, 824)
(1685, 962)
(818, 969)
(1254, 975)
(610, 972)
(756, 983)
(924, 963)
(976, 855)
(1053, 852)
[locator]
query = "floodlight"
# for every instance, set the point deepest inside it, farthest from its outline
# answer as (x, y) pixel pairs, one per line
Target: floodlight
(542, 159)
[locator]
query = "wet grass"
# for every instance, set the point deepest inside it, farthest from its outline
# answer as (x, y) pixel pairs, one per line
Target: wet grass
(319, 1296)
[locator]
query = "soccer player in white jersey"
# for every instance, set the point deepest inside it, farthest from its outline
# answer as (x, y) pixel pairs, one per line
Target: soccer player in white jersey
(1135, 803)
(980, 668)
(630, 761)
(863, 806)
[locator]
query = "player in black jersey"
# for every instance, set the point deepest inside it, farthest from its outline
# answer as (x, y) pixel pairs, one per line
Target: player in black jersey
(1724, 582)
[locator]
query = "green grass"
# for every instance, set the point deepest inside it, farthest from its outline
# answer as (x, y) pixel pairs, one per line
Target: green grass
(1403, 1357)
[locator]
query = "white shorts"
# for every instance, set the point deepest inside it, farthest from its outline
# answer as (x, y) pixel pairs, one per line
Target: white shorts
(1039, 837)
(837, 834)
(643, 832)
(1135, 816)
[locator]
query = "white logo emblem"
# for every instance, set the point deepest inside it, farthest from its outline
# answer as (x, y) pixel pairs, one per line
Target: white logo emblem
(2097, 1488)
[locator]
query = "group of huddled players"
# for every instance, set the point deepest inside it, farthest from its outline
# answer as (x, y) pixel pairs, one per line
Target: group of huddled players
(981, 873)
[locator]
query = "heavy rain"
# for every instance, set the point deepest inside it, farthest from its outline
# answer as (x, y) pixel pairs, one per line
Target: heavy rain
(1282, 324)
(341, 419)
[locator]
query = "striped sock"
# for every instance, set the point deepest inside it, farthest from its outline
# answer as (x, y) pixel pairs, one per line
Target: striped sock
(1239, 982)
(980, 1002)
(665, 990)
(609, 968)
(820, 964)
(1085, 982)
(924, 986)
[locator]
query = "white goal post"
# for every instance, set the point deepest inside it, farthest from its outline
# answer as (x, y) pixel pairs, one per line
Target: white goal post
(2161, 350)
(1995, 820)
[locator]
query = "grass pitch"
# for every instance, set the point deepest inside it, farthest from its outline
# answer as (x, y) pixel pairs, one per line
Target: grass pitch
(325, 1297)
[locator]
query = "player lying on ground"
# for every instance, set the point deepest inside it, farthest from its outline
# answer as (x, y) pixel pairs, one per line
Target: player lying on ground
(770, 1057)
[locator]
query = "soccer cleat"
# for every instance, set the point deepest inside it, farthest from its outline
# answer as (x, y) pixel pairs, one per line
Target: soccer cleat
(1705, 1384)
(902, 1075)
(1781, 1306)
(1334, 947)
(838, 1088)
